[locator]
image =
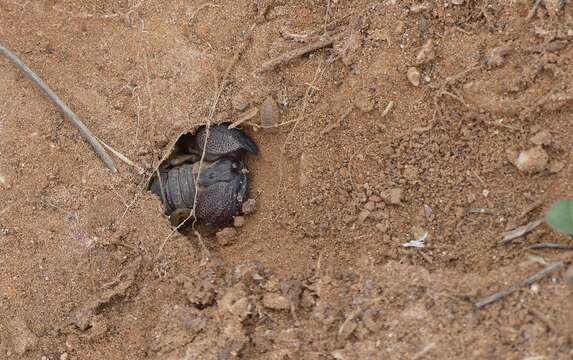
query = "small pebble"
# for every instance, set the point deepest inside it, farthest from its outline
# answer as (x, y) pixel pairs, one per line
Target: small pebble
(64, 356)
(413, 76)
(535, 289)
(275, 302)
(249, 206)
(426, 53)
(533, 160)
(496, 57)
(239, 221)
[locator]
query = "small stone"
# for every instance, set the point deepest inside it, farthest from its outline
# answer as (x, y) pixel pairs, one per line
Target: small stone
(496, 57)
(363, 216)
(381, 227)
(457, 2)
(541, 138)
(426, 53)
(533, 160)
(535, 289)
(275, 301)
(64, 356)
(226, 236)
(413, 76)
(239, 221)
(392, 196)
(249, 206)
(363, 102)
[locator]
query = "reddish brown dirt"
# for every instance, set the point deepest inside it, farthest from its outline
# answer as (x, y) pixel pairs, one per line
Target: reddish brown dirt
(319, 271)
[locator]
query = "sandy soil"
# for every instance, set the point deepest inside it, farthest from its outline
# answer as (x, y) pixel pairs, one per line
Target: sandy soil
(88, 269)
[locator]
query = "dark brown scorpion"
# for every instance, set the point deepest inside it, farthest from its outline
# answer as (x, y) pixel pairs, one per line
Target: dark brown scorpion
(217, 190)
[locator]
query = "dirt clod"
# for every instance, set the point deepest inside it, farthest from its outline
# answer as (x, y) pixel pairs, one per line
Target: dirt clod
(239, 221)
(427, 53)
(532, 160)
(275, 302)
(413, 76)
(496, 56)
(249, 206)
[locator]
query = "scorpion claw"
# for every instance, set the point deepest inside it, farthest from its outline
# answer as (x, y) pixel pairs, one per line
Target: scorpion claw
(222, 142)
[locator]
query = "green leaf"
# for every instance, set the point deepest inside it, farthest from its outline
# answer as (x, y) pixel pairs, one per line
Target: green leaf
(560, 216)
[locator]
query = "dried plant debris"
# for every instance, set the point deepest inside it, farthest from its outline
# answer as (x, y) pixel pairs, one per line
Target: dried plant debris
(520, 231)
(270, 114)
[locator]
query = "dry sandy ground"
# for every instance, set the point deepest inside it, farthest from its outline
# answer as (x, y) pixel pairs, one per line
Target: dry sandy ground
(319, 271)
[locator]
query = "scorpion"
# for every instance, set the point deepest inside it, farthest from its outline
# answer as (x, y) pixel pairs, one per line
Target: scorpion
(215, 187)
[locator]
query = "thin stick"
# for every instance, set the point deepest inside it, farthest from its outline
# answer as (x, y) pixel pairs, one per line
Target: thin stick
(550, 246)
(122, 157)
(84, 131)
(530, 280)
(293, 54)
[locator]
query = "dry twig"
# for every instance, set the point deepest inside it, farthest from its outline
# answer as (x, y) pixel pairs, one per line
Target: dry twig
(75, 120)
(293, 54)
(520, 231)
(530, 280)
(550, 246)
